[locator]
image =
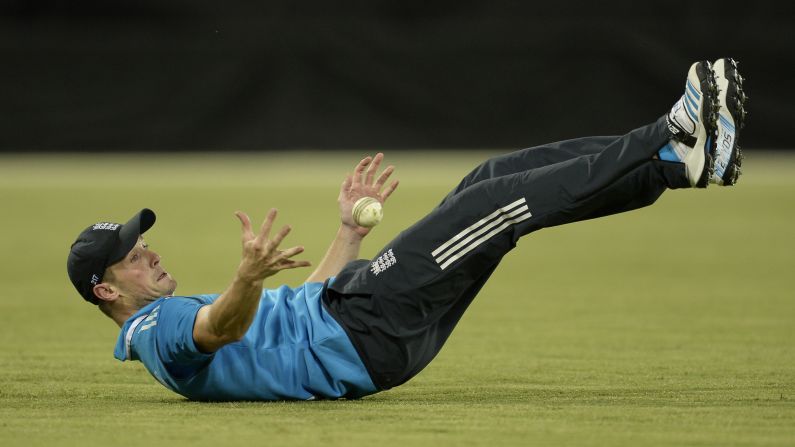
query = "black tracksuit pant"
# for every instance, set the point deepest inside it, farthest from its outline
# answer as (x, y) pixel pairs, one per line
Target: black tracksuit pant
(400, 307)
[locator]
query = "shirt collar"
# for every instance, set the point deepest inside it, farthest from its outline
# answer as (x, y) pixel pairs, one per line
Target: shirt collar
(122, 350)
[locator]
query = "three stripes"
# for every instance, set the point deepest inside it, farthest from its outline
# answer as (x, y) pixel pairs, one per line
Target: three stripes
(691, 101)
(479, 232)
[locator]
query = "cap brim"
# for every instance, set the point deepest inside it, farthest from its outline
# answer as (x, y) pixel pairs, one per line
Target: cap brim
(128, 235)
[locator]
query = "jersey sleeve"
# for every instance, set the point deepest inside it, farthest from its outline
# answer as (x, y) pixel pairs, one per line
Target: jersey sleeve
(176, 347)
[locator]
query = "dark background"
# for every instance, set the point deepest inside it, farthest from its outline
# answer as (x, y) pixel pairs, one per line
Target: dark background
(200, 75)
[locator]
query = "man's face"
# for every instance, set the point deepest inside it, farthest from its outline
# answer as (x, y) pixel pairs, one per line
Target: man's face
(140, 276)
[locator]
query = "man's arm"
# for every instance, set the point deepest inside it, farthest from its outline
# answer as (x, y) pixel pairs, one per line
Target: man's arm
(343, 249)
(345, 246)
(227, 319)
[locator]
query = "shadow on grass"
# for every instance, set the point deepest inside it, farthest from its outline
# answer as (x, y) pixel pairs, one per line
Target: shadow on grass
(716, 396)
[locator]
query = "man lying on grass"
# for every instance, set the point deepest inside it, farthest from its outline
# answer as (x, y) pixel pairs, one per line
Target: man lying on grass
(357, 327)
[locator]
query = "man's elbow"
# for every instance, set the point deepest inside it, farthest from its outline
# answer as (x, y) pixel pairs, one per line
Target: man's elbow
(210, 336)
(228, 334)
(210, 342)
(228, 338)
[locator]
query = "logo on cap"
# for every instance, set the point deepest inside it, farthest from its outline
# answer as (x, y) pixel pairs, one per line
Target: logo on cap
(105, 226)
(94, 279)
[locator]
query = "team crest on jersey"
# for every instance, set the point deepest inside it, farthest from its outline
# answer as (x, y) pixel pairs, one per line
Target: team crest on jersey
(383, 262)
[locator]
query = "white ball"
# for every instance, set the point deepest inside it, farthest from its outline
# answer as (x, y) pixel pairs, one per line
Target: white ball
(367, 212)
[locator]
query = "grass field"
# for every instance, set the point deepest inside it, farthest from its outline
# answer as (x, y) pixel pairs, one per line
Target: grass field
(672, 325)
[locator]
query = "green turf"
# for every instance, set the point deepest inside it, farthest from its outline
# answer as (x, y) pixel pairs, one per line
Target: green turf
(672, 325)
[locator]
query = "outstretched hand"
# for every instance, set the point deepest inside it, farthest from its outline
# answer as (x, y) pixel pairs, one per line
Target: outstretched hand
(362, 183)
(261, 255)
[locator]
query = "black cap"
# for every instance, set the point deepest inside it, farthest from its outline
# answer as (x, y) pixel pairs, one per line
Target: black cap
(100, 246)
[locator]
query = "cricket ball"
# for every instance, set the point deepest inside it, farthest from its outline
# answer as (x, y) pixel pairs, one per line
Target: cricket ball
(367, 212)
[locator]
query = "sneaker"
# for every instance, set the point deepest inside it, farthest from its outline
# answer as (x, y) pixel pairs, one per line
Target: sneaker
(730, 120)
(693, 123)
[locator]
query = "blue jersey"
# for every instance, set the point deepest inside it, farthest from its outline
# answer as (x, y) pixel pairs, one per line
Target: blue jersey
(293, 350)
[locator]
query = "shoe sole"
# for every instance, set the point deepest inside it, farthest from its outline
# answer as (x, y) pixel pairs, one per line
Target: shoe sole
(735, 106)
(703, 159)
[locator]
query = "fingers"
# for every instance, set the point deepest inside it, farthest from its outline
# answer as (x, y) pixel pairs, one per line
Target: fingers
(389, 190)
(261, 255)
(282, 261)
(359, 170)
(265, 229)
(368, 180)
(384, 177)
(365, 172)
(290, 264)
(267, 223)
(290, 252)
(279, 237)
(246, 224)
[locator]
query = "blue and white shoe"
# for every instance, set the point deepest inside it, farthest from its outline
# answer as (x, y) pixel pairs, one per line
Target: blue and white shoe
(693, 125)
(731, 119)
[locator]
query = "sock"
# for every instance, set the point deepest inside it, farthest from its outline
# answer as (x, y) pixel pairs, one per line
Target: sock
(683, 113)
(673, 151)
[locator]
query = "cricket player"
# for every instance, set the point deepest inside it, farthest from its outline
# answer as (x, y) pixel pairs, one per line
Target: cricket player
(357, 327)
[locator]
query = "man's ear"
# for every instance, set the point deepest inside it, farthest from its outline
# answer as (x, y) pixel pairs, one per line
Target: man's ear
(106, 291)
